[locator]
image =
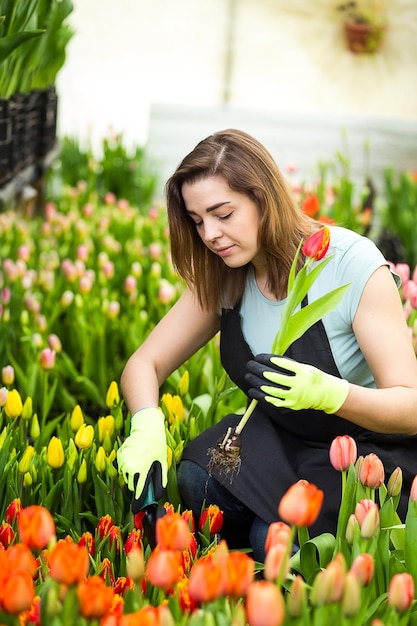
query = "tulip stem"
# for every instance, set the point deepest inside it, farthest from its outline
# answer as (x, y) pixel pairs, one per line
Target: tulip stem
(246, 416)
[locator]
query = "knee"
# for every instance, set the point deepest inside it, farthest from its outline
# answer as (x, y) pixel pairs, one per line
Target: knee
(192, 484)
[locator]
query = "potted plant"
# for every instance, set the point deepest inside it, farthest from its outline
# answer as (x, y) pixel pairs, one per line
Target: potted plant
(364, 24)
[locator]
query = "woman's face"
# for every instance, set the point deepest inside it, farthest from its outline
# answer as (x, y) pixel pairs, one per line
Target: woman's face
(227, 221)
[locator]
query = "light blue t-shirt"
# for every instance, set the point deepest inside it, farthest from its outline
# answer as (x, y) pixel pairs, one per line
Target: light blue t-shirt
(355, 258)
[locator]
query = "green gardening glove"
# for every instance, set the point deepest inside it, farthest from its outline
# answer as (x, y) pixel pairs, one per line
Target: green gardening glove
(142, 458)
(295, 385)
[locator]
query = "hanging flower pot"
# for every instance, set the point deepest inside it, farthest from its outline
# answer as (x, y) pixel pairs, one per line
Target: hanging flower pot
(363, 38)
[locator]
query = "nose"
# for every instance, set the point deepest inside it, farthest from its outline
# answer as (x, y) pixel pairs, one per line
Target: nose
(211, 230)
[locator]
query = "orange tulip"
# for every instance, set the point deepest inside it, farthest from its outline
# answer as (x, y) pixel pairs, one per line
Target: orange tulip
(163, 568)
(264, 604)
(147, 616)
(94, 597)
(301, 504)
(363, 568)
(173, 532)
(20, 558)
(317, 244)
(36, 527)
(68, 563)
(206, 580)
(238, 574)
(372, 472)
(343, 452)
(17, 592)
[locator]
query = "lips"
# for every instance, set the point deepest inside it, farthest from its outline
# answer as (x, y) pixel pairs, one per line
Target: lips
(224, 251)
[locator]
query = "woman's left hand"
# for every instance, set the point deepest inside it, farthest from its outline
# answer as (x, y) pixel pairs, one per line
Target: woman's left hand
(295, 385)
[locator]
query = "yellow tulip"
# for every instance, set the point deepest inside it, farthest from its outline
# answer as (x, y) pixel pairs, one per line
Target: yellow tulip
(184, 383)
(174, 407)
(26, 460)
(55, 453)
(77, 418)
(13, 406)
(82, 472)
(169, 456)
(105, 425)
(100, 460)
(84, 436)
(112, 397)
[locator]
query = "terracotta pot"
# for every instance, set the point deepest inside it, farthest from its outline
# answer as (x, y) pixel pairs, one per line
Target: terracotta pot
(363, 38)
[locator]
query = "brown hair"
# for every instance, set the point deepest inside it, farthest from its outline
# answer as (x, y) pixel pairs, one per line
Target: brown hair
(248, 168)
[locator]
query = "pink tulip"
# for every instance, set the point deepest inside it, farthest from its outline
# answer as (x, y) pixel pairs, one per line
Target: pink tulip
(47, 359)
(343, 452)
(413, 490)
(403, 271)
(401, 591)
(372, 472)
(264, 604)
(363, 568)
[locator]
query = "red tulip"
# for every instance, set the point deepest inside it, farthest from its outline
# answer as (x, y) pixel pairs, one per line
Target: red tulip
(13, 511)
(36, 526)
(317, 244)
(264, 604)
(343, 452)
(6, 534)
(301, 504)
(215, 519)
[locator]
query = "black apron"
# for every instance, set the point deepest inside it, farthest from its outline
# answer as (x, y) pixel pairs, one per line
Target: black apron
(282, 446)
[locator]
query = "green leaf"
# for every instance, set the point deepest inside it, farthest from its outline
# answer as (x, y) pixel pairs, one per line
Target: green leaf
(11, 42)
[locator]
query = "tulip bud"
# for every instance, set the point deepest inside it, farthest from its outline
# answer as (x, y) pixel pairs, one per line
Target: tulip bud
(27, 480)
(135, 564)
(84, 436)
(35, 429)
(100, 460)
(27, 410)
(26, 460)
(395, 483)
(55, 453)
(72, 454)
(213, 517)
(105, 425)
(297, 597)
(7, 375)
(351, 600)
(351, 525)
(343, 452)
(3, 396)
(54, 343)
(372, 472)
(112, 396)
(47, 359)
(317, 244)
(184, 384)
(111, 470)
(13, 406)
(77, 418)
(370, 523)
(82, 473)
(401, 591)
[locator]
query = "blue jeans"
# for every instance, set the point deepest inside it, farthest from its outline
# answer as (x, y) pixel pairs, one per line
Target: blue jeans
(241, 527)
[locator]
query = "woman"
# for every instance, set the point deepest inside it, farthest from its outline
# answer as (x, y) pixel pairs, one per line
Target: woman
(234, 229)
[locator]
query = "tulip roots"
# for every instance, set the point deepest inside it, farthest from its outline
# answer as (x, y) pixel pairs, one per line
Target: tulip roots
(225, 457)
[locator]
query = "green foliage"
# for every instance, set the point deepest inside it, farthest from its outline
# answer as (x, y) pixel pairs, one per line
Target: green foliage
(127, 174)
(33, 39)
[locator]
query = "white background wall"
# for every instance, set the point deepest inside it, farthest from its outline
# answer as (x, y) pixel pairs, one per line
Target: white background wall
(285, 56)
